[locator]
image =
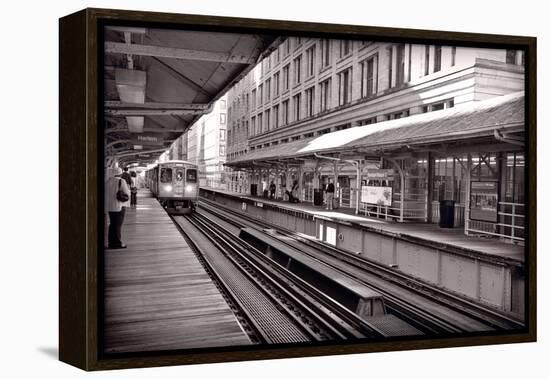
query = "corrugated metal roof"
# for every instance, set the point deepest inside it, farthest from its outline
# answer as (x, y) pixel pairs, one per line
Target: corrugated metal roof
(461, 122)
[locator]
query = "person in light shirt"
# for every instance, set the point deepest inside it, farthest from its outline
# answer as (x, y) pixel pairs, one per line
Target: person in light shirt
(114, 207)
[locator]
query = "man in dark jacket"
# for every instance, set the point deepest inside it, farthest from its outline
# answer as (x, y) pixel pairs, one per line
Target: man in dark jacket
(329, 190)
(127, 177)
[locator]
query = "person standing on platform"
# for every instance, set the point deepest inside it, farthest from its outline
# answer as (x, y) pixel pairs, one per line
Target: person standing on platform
(126, 176)
(133, 189)
(329, 190)
(272, 189)
(117, 194)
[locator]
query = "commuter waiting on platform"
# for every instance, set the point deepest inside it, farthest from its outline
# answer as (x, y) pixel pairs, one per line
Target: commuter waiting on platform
(133, 189)
(293, 193)
(117, 194)
(329, 190)
(126, 176)
(272, 189)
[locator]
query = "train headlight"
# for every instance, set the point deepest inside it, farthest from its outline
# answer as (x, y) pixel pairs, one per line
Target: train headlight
(168, 188)
(188, 188)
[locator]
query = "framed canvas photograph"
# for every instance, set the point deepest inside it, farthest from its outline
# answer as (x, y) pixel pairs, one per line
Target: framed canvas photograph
(239, 189)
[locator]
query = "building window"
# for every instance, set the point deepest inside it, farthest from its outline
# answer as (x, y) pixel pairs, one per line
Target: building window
(287, 47)
(344, 87)
(228, 137)
(222, 134)
(254, 98)
(390, 66)
(276, 116)
(268, 63)
(285, 112)
(268, 90)
(453, 55)
(253, 124)
(369, 76)
(222, 118)
(310, 101)
(223, 104)
(286, 77)
(427, 60)
(297, 104)
(325, 53)
(438, 106)
(260, 123)
(400, 64)
(267, 120)
(437, 58)
(261, 94)
(222, 150)
(277, 55)
(368, 121)
(276, 84)
(308, 135)
(297, 69)
(325, 95)
(398, 115)
(295, 138)
(310, 56)
(345, 47)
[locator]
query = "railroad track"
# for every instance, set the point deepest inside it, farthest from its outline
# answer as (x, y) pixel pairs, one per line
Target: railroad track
(272, 304)
(427, 307)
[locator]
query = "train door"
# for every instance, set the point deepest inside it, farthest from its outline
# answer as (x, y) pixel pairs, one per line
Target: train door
(178, 181)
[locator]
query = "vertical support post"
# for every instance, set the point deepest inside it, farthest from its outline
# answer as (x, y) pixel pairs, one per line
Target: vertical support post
(429, 192)
(358, 186)
(468, 194)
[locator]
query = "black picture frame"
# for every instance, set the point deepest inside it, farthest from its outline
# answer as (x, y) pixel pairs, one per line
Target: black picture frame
(80, 184)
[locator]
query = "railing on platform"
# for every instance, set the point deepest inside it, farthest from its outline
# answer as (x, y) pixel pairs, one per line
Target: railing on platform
(510, 225)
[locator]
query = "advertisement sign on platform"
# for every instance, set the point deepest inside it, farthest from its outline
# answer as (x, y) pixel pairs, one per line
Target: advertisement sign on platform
(484, 201)
(376, 195)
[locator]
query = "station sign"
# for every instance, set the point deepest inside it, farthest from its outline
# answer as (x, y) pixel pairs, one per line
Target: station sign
(148, 139)
(380, 173)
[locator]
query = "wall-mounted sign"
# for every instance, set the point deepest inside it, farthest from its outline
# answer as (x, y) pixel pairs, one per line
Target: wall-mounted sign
(376, 195)
(484, 201)
(148, 139)
(379, 173)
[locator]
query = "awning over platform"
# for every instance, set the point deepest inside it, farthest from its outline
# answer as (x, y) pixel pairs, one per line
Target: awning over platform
(158, 82)
(461, 123)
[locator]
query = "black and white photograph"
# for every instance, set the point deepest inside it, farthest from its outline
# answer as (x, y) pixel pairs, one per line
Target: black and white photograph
(295, 190)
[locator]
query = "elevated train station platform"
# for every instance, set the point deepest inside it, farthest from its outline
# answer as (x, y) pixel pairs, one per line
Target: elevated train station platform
(485, 269)
(157, 294)
(432, 233)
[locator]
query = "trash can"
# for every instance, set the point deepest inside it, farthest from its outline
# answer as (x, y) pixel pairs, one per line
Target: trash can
(253, 189)
(335, 202)
(317, 197)
(446, 213)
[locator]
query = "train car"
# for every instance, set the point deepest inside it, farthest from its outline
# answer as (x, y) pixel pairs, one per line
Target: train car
(175, 184)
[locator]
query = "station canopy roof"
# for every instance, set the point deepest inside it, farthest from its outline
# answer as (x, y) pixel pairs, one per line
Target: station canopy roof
(463, 123)
(158, 82)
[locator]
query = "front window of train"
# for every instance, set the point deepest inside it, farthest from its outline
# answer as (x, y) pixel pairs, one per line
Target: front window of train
(166, 175)
(191, 175)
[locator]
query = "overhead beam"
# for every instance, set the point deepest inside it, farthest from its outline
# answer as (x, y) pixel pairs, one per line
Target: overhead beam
(155, 105)
(153, 112)
(176, 53)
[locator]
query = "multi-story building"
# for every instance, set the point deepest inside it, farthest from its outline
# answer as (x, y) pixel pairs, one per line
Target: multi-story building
(310, 87)
(206, 144)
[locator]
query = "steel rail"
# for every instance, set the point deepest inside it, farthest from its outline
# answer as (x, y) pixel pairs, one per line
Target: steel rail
(340, 318)
(485, 315)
